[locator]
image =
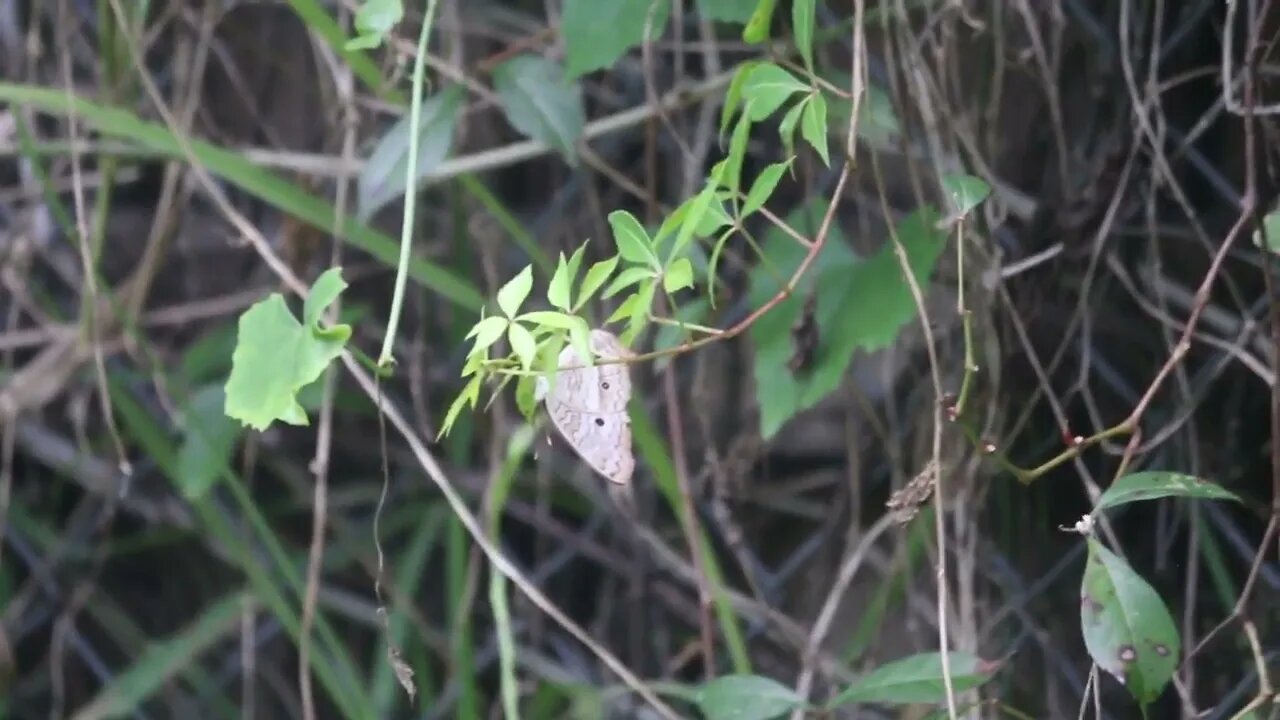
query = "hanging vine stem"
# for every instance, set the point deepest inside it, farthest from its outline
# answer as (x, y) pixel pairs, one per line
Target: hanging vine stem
(385, 358)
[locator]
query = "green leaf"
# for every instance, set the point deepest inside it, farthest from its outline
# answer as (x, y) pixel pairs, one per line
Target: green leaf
(632, 240)
(746, 697)
(767, 87)
(522, 342)
(324, 291)
(733, 11)
(730, 173)
(513, 294)
(640, 310)
(526, 400)
(733, 95)
(374, 20)
(487, 331)
(558, 288)
(787, 128)
(540, 103)
(916, 679)
(813, 125)
(595, 277)
(861, 305)
(1127, 628)
(714, 261)
(697, 211)
(679, 275)
(803, 17)
(713, 217)
(624, 309)
(551, 319)
(1271, 232)
(276, 356)
(626, 279)
(965, 191)
(597, 33)
(757, 27)
(763, 187)
(382, 179)
(1158, 484)
(575, 264)
(468, 397)
(209, 438)
(363, 42)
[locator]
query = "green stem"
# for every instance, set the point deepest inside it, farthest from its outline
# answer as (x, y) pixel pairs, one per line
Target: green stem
(411, 172)
(966, 322)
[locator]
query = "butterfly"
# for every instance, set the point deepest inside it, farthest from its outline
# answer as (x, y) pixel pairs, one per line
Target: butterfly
(588, 405)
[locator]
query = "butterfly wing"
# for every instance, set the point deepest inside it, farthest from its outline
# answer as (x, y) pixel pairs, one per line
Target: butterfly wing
(602, 439)
(601, 388)
(588, 405)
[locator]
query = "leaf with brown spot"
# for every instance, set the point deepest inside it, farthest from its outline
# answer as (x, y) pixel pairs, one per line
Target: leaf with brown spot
(1123, 621)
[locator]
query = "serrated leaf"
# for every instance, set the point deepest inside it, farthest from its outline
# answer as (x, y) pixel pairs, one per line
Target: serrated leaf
(626, 279)
(487, 332)
(523, 344)
(1158, 484)
(631, 238)
(540, 103)
(861, 305)
(803, 17)
(512, 295)
(468, 397)
(679, 275)
(766, 88)
(382, 178)
(916, 679)
(813, 125)
(551, 319)
(762, 189)
(597, 33)
(965, 192)
(746, 697)
(208, 439)
(558, 288)
(1127, 628)
(276, 356)
(596, 275)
